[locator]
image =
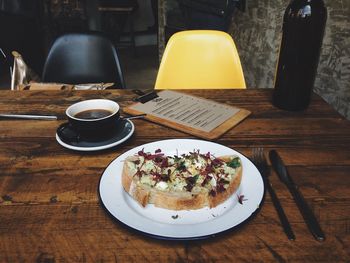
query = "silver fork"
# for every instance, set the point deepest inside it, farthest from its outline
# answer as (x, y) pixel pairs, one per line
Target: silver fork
(260, 162)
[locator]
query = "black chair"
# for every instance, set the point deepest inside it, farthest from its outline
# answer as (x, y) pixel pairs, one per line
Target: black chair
(80, 58)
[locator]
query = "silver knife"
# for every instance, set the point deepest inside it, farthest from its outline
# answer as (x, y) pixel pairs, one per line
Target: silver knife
(305, 210)
(28, 117)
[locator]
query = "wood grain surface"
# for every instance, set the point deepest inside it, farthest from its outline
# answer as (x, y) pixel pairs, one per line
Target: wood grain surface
(49, 204)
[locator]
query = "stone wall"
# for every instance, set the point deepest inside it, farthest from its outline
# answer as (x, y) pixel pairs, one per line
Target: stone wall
(257, 34)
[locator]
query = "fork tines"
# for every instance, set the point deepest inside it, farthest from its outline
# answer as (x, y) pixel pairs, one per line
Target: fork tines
(260, 160)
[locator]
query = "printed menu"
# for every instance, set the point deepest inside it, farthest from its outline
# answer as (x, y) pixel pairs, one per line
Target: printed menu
(180, 110)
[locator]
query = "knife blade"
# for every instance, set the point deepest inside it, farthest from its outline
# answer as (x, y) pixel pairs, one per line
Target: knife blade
(28, 117)
(305, 210)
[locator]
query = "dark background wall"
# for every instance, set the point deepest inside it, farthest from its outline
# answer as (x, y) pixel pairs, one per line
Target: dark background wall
(257, 33)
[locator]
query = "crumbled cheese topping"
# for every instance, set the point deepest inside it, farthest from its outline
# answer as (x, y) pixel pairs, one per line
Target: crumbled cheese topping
(192, 172)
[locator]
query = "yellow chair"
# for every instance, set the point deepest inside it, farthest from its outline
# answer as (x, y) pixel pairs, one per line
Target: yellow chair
(200, 59)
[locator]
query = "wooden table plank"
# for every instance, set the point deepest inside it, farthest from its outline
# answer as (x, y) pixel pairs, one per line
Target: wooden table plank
(49, 204)
(87, 227)
(99, 241)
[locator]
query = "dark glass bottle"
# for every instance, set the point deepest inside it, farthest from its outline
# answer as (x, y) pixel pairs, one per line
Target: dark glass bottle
(302, 33)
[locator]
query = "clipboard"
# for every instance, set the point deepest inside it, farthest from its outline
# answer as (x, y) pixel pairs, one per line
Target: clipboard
(197, 116)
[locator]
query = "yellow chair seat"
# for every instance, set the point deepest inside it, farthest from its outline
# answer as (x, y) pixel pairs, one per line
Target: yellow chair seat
(200, 59)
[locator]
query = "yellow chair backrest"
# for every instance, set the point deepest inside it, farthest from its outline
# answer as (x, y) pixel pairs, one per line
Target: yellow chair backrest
(200, 59)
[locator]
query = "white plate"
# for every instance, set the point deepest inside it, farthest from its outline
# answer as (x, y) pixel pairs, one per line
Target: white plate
(184, 224)
(121, 135)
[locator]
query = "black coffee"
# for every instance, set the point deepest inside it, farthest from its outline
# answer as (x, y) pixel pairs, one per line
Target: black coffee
(93, 114)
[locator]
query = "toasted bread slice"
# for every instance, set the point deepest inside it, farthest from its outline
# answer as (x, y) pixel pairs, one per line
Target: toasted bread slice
(189, 182)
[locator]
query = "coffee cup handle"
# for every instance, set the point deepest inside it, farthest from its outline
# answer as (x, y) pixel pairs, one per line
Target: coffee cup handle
(67, 133)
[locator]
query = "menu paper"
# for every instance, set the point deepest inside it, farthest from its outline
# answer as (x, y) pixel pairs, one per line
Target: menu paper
(197, 113)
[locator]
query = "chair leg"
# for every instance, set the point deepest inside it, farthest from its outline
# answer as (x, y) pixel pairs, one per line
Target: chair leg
(132, 33)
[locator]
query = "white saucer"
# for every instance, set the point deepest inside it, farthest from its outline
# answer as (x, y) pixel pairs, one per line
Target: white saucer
(120, 136)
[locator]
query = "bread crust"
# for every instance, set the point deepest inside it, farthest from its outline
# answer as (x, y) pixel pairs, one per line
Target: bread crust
(184, 200)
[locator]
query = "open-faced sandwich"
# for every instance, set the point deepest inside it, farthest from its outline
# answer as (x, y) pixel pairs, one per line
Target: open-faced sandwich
(189, 181)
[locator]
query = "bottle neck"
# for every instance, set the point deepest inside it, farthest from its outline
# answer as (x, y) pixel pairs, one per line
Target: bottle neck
(305, 10)
(307, 2)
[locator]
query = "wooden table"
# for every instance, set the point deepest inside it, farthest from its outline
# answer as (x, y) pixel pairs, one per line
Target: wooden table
(49, 205)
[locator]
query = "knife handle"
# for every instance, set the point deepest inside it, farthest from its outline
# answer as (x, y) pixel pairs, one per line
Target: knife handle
(282, 216)
(307, 214)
